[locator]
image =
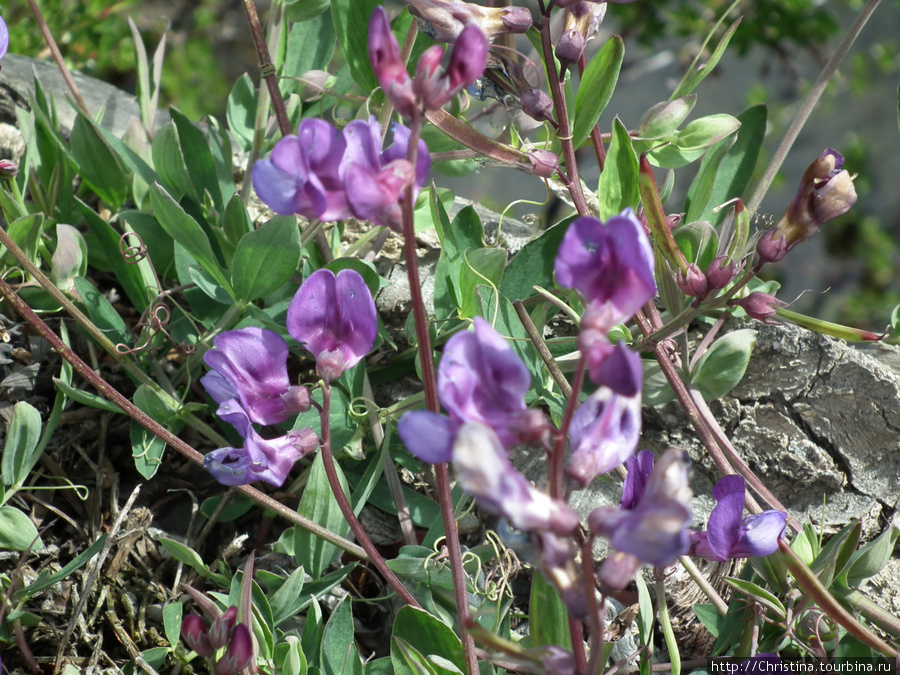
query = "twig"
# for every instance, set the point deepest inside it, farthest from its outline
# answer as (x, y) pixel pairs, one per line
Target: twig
(57, 56)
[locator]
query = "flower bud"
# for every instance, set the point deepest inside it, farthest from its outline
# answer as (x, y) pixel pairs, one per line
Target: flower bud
(760, 306)
(444, 20)
(297, 399)
(195, 635)
(384, 55)
(537, 104)
(222, 628)
(305, 439)
(720, 272)
(239, 654)
(330, 364)
(570, 47)
(8, 168)
(468, 60)
(692, 282)
(543, 163)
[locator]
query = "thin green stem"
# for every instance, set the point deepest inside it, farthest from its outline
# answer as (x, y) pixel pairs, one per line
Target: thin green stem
(57, 56)
(665, 621)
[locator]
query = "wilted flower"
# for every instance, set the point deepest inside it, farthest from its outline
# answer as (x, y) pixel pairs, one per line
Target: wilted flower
(483, 470)
(258, 459)
(758, 305)
(334, 317)
(825, 193)
(250, 365)
(611, 264)
(606, 427)
(429, 90)
(582, 19)
(444, 20)
(729, 536)
(654, 530)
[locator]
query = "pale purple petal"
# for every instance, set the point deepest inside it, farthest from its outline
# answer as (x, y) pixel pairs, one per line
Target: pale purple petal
(639, 467)
(621, 371)
(484, 471)
(428, 436)
(4, 38)
(253, 363)
(759, 535)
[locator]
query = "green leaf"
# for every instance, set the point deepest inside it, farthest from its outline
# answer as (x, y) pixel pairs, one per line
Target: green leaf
(533, 264)
(480, 266)
(168, 160)
(184, 229)
(137, 278)
(287, 601)
(25, 232)
(339, 653)
(342, 428)
(698, 241)
(185, 554)
(664, 118)
(310, 46)
(241, 111)
(836, 554)
(291, 657)
(618, 186)
(237, 508)
(236, 221)
(266, 259)
(407, 660)
(351, 24)
(597, 85)
(646, 620)
(870, 559)
(101, 313)
(465, 232)
(697, 72)
(758, 594)
(198, 160)
(319, 505)
(87, 398)
(172, 614)
(428, 636)
(146, 450)
(22, 438)
(17, 532)
(97, 164)
(727, 177)
(45, 580)
(722, 367)
(548, 617)
(710, 618)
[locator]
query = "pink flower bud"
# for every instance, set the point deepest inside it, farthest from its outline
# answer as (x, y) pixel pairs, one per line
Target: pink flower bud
(570, 47)
(720, 272)
(222, 628)
(8, 168)
(239, 654)
(537, 104)
(384, 55)
(543, 163)
(193, 630)
(468, 60)
(693, 282)
(760, 306)
(305, 439)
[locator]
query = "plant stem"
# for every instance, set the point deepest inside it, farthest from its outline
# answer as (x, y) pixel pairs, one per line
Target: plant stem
(266, 67)
(347, 510)
(57, 56)
(139, 416)
(429, 381)
(809, 103)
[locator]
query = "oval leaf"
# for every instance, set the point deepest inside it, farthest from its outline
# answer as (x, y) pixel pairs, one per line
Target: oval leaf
(723, 366)
(596, 88)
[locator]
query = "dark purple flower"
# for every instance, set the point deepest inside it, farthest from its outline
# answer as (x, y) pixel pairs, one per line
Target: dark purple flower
(639, 467)
(484, 471)
(654, 531)
(302, 174)
(384, 55)
(729, 536)
(259, 459)
(250, 364)
(611, 264)
(193, 630)
(376, 181)
(606, 427)
(481, 379)
(239, 653)
(334, 317)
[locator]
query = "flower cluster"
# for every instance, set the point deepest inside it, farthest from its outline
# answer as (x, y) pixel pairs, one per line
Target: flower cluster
(429, 90)
(332, 175)
(444, 20)
(334, 317)
(231, 645)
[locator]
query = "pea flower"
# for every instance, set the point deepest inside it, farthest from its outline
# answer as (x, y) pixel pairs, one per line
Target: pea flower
(729, 536)
(612, 264)
(429, 91)
(250, 365)
(334, 317)
(4, 38)
(605, 429)
(269, 460)
(758, 305)
(652, 526)
(825, 193)
(483, 470)
(222, 633)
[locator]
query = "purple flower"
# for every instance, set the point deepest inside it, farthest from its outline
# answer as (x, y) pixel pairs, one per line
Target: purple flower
(4, 38)
(376, 181)
(428, 436)
(250, 364)
(557, 562)
(481, 379)
(239, 653)
(384, 55)
(611, 264)
(302, 174)
(654, 530)
(639, 468)
(484, 471)
(444, 20)
(334, 318)
(193, 630)
(606, 427)
(728, 536)
(259, 459)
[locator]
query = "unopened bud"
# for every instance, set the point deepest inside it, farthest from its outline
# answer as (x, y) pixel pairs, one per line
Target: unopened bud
(239, 654)
(8, 168)
(570, 47)
(532, 427)
(772, 246)
(330, 364)
(221, 630)
(537, 104)
(195, 635)
(720, 272)
(692, 282)
(297, 399)
(305, 439)
(760, 306)
(543, 163)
